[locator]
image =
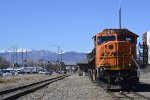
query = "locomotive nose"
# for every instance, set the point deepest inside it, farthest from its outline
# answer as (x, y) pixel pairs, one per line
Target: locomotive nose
(126, 51)
(119, 53)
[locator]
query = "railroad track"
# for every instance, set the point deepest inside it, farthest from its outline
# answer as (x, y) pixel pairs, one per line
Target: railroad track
(127, 96)
(141, 96)
(17, 92)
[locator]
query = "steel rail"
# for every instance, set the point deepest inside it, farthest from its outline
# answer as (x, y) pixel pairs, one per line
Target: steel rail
(114, 96)
(122, 93)
(126, 96)
(17, 92)
(141, 96)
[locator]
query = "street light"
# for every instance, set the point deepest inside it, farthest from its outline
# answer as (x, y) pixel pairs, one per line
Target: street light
(58, 52)
(61, 56)
(58, 55)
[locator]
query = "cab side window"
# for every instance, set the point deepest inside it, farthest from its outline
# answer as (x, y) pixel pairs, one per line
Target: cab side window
(131, 38)
(102, 39)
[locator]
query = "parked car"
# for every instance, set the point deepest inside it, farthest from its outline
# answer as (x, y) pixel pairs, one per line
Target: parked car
(42, 72)
(14, 72)
(21, 72)
(1, 73)
(28, 70)
(45, 72)
(62, 72)
(6, 72)
(48, 73)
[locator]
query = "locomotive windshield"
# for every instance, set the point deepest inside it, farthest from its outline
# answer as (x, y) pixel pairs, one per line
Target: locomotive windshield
(102, 39)
(131, 39)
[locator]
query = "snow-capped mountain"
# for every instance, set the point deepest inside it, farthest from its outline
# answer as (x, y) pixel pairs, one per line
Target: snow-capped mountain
(34, 55)
(14, 50)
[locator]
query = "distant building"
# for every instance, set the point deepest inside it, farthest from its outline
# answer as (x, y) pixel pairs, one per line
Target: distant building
(144, 51)
(83, 68)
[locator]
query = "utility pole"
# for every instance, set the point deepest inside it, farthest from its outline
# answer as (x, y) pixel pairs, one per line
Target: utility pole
(58, 48)
(13, 55)
(26, 56)
(22, 57)
(16, 56)
(10, 57)
(61, 55)
(58, 56)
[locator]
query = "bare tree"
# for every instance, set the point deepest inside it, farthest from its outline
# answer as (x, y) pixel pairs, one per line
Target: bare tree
(3, 63)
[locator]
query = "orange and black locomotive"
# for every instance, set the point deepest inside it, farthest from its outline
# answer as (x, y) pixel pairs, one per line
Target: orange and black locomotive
(113, 59)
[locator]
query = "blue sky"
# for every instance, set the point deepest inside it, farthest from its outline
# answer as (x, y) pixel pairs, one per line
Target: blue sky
(70, 24)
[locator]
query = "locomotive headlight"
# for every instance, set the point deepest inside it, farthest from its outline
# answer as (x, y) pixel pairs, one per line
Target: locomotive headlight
(107, 64)
(129, 65)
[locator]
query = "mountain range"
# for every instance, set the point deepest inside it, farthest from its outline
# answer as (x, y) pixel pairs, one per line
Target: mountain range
(70, 57)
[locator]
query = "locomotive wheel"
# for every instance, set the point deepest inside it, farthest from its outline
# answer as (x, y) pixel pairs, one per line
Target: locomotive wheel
(135, 82)
(95, 79)
(109, 81)
(90, 75)
(91, 72)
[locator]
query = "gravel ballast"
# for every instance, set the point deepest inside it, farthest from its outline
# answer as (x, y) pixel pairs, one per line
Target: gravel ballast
(8, 82)
(73, 87)
(145, 83)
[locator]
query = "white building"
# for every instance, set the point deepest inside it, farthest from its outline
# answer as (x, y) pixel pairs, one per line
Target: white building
(148, 45)
(144, 51)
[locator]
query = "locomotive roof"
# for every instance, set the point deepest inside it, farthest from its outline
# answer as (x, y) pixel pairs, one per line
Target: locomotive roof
(118, 31)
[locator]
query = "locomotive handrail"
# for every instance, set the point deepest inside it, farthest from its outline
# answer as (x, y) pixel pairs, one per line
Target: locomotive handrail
(135, 62)
(103, 58)
(138, 70)
(130, 53)
(123, 60)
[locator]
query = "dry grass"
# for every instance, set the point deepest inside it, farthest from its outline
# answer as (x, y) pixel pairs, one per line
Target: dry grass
(6, 81)
(28, 78)
(37, 77)
(18, 79)
(33, 78)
